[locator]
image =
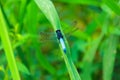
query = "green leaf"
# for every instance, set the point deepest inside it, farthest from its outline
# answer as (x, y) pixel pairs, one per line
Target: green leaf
(22, 68)
(94, 44)
(8, 47)
(113, 6)
(109, 53)
(49, 11)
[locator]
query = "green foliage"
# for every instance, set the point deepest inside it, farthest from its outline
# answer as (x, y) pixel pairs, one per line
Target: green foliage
(32, 30)
(8, 47)
(113, 6)
(48, 9)
(91, 30)
(109, 47)
(22, 68)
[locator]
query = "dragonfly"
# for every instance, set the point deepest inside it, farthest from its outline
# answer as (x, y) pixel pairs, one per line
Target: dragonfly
(68, 31)
(50, 36)
(47, 35)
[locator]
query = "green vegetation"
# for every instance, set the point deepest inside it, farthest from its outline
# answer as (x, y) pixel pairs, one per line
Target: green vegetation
(30, 50)
(8, 48)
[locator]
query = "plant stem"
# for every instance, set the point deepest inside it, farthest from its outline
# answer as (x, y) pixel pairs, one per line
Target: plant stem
(8, 48)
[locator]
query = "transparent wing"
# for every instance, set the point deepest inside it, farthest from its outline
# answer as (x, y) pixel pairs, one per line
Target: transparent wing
(51, 36)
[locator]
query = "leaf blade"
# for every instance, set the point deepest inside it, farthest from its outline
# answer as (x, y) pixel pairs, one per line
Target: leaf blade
(51, 16)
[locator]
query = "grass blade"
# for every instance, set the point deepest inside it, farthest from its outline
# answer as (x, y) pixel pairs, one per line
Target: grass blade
(47, 8)
(8, 48)
(49, 11)
(113, 6)
(90, 53)
(110, 47)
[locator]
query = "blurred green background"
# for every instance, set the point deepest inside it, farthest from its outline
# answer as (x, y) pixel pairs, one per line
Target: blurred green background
(92, 28)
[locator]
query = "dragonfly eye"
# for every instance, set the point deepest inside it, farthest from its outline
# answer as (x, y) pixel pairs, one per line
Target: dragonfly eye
(59, 34)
